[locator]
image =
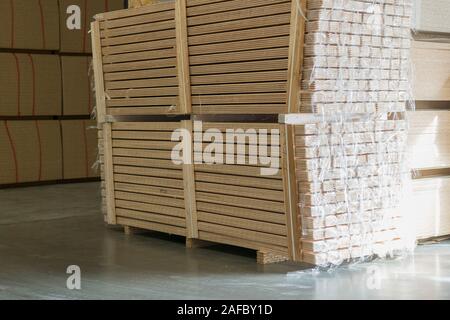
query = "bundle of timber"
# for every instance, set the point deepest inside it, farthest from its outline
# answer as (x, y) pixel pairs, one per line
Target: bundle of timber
(322, 188)
(200, 57)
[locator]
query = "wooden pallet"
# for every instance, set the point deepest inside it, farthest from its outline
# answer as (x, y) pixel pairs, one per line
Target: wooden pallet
(199, 57)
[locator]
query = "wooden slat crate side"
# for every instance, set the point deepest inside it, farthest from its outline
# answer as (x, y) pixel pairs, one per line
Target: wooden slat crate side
(144, 60)
(236, 204)
(146, 186)
(239, 56)
(429, 139)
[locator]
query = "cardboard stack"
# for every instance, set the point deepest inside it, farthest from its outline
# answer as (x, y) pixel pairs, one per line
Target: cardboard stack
(47, 94)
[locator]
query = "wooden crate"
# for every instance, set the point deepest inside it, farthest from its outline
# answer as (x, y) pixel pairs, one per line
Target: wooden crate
(218, 203)
(143, 187)
(140, 61)
(200, 57)
(238, 205)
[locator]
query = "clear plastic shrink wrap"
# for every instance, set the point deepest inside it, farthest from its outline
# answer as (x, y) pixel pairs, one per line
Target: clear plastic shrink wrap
(351, 166)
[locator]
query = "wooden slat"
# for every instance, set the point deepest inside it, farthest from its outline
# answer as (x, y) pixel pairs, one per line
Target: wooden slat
(252, 55)
(166, 211)
(270, 7)
(150, 199)
(141, 74)
(244, 213)
(189, 188)
(238, 98)
(183, 61)
(263, 87)
(154, 154)
(143, 55)
(143, 144)
(227, 179)
(239, 35)
(140, 46)
(157, 191)
(151, 226)
(146, 83)
(142, 162)
(143, 28)
(274, 42)
(252, 66)
(151, 181)
(240, 191)
(257, 22)
(248, 224)
(296, 41)
(149, 172)
(241, 202)
(155, 101)
(147, 126)
(226, 6)
(134, 38)
(151, 217)
(97, 62)
(109, 174)
(243, 233)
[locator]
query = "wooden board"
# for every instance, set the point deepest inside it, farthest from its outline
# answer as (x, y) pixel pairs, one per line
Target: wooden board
(431, 62)
(429, 139)
(430, 207)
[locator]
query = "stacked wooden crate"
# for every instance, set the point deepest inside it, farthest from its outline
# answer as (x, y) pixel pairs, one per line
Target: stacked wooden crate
(428, 142)
(215, 60)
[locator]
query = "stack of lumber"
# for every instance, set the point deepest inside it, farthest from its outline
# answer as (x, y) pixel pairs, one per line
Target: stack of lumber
(336, 193)
(429, 143)
(349, 180)
(351, 173)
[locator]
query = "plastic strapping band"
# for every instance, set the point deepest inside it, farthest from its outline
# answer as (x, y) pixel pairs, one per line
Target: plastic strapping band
(18, 83)
(85, 24)
(106, 5)
(41, 10)
(86, 156)
(13, 149)
(13, 34)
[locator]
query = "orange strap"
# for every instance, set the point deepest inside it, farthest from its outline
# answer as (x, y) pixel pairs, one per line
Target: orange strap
(44, 44)
(86, 156)
(13, 150)
(19, 93)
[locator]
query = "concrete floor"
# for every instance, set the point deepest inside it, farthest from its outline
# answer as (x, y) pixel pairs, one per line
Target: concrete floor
(43, 230)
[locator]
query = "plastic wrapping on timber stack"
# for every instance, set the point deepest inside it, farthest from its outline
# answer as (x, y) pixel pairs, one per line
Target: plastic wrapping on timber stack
(351, 165)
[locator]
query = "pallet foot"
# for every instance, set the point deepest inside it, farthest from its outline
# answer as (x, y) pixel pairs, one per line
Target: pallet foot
(197, 243)
(266, 257)
(129, 231)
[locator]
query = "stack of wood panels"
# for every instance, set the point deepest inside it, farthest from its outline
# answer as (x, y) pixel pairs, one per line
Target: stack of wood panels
(143, 187)
(141, 60)
(238, 54)
(356, 57)
(428, 142)
(349, 177)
